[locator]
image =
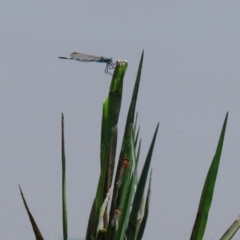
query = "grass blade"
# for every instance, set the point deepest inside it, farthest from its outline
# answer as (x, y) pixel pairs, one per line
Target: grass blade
(111, 109)
(126, 149)
(130, 195)
(126, 192)
(64, 200)
(208, 189)
(135, 124)
(232, 230)
(136, 138)
(36, 230)
(146, 210)
(131, 111)
(131, 231)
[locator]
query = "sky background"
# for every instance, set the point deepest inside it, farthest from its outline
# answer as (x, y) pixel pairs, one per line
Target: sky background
(190, 79)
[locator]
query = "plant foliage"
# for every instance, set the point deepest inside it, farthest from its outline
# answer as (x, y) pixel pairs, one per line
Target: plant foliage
(120, 209)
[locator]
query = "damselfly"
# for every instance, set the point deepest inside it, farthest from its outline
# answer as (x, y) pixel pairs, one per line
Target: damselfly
(90, 58)
(117, 213)
(125, 163)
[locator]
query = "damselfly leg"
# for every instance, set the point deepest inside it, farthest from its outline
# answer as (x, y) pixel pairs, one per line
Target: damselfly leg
(110, 65)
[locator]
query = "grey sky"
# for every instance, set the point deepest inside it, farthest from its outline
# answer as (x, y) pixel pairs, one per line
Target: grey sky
(190, 80)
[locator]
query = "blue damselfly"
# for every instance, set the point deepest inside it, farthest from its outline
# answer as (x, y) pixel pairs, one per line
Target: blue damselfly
(90, 58)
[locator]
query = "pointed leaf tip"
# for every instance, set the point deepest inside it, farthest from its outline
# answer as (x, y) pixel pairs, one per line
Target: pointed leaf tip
(226, 118)
(157, 127)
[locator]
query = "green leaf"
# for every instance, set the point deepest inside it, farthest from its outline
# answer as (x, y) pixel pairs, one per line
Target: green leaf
(64, 199)
(126, 191)
(131, 111)
(146, 210)
(208, 189)
(232, 230)
(36, 230)
(131, 230)
(111, 108)
(136, 138)
(135, 124)
(128, 204)
(127, 152)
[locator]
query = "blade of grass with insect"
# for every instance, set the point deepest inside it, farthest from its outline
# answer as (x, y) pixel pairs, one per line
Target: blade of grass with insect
(64, 198)
(36, 230)
(128, 130)
(111, 109)
(131, 230)
(208, 189)
(126, 143)
(232, 230)
(128, 146)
